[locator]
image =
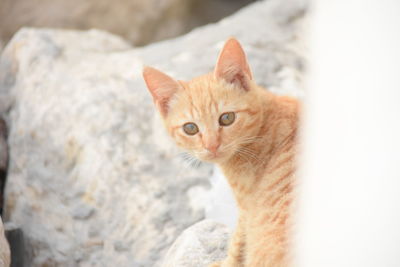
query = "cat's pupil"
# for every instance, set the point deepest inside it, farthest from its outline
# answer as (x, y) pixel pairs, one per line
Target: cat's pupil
(190, 128)
(227, 119)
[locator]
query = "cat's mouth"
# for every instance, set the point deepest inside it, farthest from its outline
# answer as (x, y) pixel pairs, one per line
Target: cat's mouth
(214, 157)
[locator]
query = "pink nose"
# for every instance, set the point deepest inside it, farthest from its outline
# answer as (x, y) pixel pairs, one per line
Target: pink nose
(213, 148)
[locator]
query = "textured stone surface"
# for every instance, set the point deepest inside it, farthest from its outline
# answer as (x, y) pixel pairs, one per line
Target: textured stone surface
(15, 238)
(3, 160)
(201, 244)
(86, 181)
(93, 179)
(3, 146)
(4, 248)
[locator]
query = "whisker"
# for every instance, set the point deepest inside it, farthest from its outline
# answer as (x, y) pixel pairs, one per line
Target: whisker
(243, 141)
(190, 160)
(248, 153)
(243, 156)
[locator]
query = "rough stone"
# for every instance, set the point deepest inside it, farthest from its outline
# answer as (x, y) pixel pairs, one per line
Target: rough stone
(93, 178)
(3, 146)
(3, 160)
(15, 238)
(199, 245)
(4, 248)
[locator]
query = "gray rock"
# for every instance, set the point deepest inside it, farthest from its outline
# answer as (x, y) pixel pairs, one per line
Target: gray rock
(15, 238)
(4, 248)
(3, 147)
(3, 160)
(93, 178)
(84, 170)
(199, 245)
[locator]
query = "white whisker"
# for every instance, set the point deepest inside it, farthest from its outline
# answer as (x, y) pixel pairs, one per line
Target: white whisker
(190, 160)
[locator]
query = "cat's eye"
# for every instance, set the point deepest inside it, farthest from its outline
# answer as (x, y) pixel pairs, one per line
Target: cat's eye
(190, 128)
(227, 118)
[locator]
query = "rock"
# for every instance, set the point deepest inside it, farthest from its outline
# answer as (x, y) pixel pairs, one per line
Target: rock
(199, 245)
(3, 161)
(84, 171)
(93, 179)
(15, 238)
(138, 21)
(3, 146)
(4, 248)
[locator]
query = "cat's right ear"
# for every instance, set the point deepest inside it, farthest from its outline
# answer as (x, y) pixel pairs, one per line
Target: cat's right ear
(161, 86)
(232, 65)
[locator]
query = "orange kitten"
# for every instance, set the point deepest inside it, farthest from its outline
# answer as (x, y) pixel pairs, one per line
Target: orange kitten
(225, 118)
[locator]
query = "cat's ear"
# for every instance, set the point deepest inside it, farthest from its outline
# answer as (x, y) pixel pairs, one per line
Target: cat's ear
(232, 65)
(161, 86)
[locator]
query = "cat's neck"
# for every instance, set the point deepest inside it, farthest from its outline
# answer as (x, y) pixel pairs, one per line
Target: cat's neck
(277, 134)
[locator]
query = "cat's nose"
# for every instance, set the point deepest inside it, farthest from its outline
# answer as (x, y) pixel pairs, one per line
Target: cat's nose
(213, 147)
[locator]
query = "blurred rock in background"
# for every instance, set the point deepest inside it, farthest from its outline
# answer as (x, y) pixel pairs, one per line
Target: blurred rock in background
(138, 21)
(3, 161)
(93, 179)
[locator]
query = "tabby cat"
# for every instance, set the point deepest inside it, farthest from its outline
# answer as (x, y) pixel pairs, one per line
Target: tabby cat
(224, 117)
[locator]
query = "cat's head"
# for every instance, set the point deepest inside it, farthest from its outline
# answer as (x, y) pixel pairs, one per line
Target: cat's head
(212, 116)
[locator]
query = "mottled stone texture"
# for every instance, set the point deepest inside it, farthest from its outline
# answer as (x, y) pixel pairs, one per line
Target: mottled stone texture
(4, 248)
(200, 245)
(93, 179)
(3, 160)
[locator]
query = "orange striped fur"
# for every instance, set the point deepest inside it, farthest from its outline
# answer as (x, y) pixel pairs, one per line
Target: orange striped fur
(256, 152)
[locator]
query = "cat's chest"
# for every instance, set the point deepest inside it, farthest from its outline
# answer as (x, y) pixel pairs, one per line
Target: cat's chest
(241, 178)
(264, 186)
(244, 184)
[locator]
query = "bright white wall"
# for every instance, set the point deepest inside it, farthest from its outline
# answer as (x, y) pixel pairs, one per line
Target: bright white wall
(350, 196)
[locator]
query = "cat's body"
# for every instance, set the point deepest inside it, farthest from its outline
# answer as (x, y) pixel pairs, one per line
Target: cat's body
(263, 189)
(225, 118)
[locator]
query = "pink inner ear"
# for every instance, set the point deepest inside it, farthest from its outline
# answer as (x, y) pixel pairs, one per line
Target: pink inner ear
(161, 86)
(232, 65)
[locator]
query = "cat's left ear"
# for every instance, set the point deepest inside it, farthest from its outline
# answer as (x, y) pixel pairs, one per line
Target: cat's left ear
(161, 86)
(232, 65)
